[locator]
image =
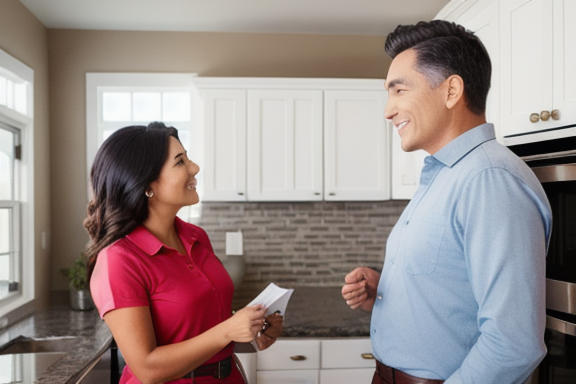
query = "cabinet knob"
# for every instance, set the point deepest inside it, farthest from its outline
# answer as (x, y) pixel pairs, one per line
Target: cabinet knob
(556, 114)
(298, 358)
(534, 118)
(544, 115)
(367, 356)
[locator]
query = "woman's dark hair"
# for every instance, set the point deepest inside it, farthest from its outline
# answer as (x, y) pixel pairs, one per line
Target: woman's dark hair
(125, 165)
(443, 49)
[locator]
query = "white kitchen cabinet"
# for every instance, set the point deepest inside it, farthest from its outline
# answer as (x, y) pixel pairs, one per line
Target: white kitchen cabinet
(295, 140)
(323, 361)
(287, 377)
(224, 166)
(346, 376)
(289, 361)
(481, 17)
(284, 145)
(356, 146)
(538, 64)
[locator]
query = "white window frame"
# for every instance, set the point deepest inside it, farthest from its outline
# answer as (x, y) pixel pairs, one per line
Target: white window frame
(25, 124)
(97, 83)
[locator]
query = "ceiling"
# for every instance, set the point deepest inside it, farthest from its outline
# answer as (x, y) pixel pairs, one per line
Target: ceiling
(350, 17)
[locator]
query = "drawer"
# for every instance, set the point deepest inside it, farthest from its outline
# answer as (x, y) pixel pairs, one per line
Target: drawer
(346, 376)
(308, 376)
(290, 354)
(347, 353)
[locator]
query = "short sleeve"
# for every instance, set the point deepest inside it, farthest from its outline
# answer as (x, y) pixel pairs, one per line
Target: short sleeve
(117, 281)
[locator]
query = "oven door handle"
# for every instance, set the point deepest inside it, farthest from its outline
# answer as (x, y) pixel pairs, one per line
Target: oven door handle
(561, 326)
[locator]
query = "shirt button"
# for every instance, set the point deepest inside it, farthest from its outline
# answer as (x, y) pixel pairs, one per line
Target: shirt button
(190, 266)
(379, 297)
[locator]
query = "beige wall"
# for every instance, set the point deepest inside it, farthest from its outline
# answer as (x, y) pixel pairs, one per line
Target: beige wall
(72, 53)
(25, 38)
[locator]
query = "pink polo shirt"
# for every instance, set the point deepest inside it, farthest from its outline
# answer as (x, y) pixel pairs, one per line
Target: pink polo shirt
(187, 294)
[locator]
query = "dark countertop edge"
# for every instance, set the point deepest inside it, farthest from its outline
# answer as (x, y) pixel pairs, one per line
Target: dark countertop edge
(92, 335)
(330, 319)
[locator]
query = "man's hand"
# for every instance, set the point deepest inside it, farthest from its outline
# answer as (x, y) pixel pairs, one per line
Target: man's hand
(360, 288)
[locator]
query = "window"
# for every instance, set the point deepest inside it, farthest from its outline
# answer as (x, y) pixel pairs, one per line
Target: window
(9, 210)
(16, 184)
(116, 100)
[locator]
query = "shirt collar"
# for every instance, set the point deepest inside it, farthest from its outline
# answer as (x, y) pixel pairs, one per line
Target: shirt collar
(455, 150)
(148, 243)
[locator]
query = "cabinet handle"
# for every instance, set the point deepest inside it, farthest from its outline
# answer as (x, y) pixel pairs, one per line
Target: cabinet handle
(317, 193)
(555, 114)
(241, 193)
(534, 118)
(367, 356)
(544, 115)
(298, 358)
(332, 193)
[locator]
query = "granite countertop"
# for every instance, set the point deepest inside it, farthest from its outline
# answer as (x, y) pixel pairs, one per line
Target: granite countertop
(314, 312)
(311, 312)
(92, 339)
(322, 312)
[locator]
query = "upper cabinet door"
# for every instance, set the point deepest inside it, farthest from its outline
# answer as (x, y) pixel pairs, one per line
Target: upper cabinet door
(527, 56)
(565, 61)
(284, 145)
(223, 172)
(356, 151)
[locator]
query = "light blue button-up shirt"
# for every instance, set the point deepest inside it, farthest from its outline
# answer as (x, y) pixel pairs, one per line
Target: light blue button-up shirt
(462, 293)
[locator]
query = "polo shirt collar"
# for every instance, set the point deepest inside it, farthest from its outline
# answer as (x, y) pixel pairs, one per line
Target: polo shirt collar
(148, 243)
(455, 150)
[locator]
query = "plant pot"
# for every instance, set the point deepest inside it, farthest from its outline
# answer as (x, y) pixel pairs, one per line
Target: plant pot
(81, 300)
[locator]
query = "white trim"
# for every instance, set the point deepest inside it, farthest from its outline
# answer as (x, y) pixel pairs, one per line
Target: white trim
(25, 124)
(287, 83)
(454, 9)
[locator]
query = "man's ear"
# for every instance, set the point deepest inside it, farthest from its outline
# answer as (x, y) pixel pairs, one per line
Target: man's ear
(455, 86)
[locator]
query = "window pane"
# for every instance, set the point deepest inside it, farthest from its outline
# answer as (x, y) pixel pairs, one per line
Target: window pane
(4, 240)
(176, 106)
(107, 134)
(20, 98)
(4, 274)
(3, 90)
(116, 106)
(147, 106)
(10, 94)
(6, 164)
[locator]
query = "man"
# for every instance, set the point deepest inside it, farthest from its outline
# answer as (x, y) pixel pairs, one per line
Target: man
(461, 297)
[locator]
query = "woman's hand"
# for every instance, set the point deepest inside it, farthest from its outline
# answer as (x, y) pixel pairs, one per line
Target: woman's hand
(360, 288)
(245, 323)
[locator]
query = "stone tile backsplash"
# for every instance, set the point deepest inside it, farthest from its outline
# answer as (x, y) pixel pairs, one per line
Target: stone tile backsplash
(303, 244)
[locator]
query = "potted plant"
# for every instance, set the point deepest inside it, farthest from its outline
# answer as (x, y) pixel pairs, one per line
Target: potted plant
(80, 298)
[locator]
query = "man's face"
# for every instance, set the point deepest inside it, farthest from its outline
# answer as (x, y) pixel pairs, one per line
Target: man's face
(417, 111)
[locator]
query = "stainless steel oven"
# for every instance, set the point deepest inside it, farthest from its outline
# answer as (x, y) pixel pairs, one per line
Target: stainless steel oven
(554, 163)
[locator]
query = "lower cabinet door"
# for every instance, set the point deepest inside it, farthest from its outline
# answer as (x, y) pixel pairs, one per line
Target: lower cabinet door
(308, 376)
(346, 376)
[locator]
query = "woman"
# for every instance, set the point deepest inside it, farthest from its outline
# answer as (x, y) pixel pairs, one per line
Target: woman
(154, 278)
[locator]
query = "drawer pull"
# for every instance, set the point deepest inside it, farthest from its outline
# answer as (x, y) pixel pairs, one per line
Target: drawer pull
(298, 358)
(367, 356)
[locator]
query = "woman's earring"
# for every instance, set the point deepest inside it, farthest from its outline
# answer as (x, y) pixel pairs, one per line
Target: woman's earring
(149, 194)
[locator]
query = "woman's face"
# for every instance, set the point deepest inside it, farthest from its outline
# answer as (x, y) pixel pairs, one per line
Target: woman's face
(176, 185)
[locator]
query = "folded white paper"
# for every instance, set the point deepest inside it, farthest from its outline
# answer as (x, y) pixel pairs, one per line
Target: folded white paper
(273, 298)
